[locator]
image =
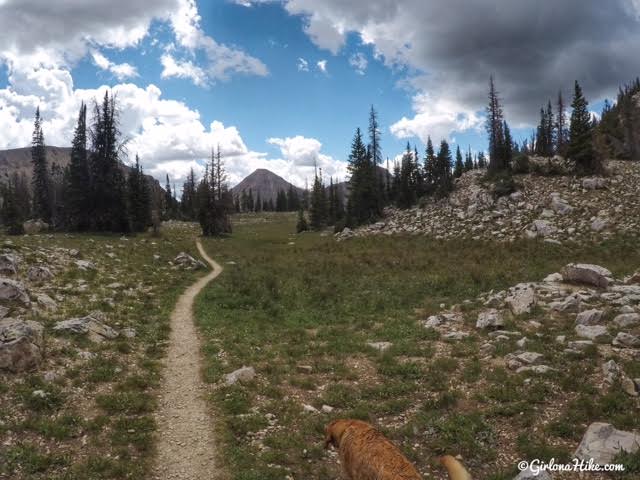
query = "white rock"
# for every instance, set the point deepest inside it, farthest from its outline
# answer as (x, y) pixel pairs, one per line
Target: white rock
(589, 317)
(529, 474)
(626, 320)
(602, 443)
(627, 340)
(244, 374)
(93, 327)
(491, 318)
(597, 333)
(521, 298)
(380, 346)
(13, 291)
(587, 273)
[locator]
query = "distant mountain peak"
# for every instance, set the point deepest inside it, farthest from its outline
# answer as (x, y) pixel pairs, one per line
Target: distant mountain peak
(265, 183)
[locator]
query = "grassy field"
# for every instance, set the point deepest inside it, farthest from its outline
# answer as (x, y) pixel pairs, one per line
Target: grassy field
(94, 418)
(301, 309)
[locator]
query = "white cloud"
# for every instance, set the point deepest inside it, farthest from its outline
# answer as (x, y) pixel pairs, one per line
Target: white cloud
(222, 60)
(322, 66)
(303, 65)
(302, 155)
(119, 70)
(182, 69)
(436, 117)
(359, 62)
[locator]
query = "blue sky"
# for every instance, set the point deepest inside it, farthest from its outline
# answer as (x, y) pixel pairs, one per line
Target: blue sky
(282, 84)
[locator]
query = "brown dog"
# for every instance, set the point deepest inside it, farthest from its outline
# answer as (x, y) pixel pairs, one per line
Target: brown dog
(366, 454)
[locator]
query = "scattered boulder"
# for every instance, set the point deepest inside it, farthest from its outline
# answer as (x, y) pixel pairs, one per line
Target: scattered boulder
(380, 346)
(595, 183)
(13, 290)
(589, 317)
(625, 320)
(455, 335)
(597, 333)
(626, 340)
(34, 226)
(602, 442)
(521, 298)
(599, 224)
(186, 261)
(530, 474)
(128, 332)
(588, 274)
(46, 302)
(39, 273)
(85, 265)
(542, 228)
(560, 205)
(244, 374)
(569, 304)
(491, 318)
(553, 278)
(530, 358)
(8, 264)
(21, 344)
(95, 328)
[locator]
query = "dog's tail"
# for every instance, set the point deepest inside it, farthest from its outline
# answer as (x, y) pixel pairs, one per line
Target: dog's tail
(455, 469)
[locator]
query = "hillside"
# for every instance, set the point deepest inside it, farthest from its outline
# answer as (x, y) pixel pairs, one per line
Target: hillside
(265, 183)
(552, 208)
(18, 160)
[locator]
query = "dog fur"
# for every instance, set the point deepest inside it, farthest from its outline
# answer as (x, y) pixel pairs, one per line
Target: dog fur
(366, 454)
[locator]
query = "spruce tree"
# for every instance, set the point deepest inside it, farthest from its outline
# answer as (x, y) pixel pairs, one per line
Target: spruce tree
(108, 188)
(468, 161)
(363, 205)
(495, 130)
(78, 189)
(443, 180)
(12, 216)
(580, 149)
(42, 208)
(429, 167)
(482, 162)
(318, 212)
(507, 146)
(168, 201)
(459, 165)
(139, 198)
(560, 126)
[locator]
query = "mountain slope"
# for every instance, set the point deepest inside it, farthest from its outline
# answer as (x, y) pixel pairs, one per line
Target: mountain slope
(265, 183)
(18, 160)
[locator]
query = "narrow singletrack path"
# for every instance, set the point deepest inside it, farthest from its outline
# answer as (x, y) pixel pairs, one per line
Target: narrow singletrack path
(185, 436)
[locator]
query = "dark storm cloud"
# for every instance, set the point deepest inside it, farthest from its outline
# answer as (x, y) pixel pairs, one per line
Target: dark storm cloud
(533, 48)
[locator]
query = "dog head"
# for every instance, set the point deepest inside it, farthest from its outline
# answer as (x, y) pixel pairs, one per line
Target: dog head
(334, 432)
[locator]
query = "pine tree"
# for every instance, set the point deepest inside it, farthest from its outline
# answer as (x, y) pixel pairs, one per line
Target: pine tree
(429, 167)
(12, 216)
(468, 161)
(108, 188)
(580, 149)
(507, 146)
(405, 189)
(168, 201)
(459, 165)
(42, 208)
(495, 130)
(78, 187)
(363, 205)
(139, 198)
(482, 162)
(188, 201)
(374, 137)
(302, 225)
(443, 180)
(560, 126)
(318, 212)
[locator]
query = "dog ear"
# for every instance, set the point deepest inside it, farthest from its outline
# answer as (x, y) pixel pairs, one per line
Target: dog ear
(329, 438)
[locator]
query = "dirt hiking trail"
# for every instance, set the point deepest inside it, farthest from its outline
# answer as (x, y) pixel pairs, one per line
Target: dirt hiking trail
(185, 436)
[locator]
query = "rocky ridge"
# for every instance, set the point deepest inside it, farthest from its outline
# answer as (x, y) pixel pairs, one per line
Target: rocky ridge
(552, 208)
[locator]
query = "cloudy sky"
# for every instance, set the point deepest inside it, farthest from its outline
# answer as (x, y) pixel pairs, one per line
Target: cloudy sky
(282, 84)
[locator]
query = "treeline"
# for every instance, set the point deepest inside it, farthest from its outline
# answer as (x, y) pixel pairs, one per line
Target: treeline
(286, 201)
(372, 188)
(92, 193)
(96, 192)
(618, 134)
(208, 201)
